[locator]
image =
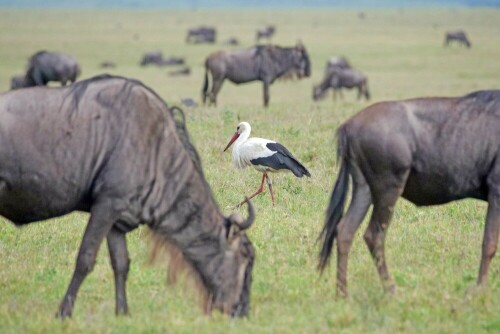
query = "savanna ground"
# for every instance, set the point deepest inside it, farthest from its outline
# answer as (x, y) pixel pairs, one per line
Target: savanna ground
(433, 253)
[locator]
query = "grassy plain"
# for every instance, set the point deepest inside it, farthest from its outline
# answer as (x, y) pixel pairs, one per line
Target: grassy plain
(433, 253)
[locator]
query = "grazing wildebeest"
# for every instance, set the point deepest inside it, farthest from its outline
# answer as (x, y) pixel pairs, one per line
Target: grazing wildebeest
(266, 32)
(430, 151)
(263, 63)
(156, 58)
(458, 36)
(107, 64)
(232, 41)
(201, 34)
(338, 79)
(17, 81)
(46, 66)
(180, 72)
(338, 62)
(110, 146)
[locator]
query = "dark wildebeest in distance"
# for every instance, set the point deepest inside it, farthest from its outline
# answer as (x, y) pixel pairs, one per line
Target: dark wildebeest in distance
(338, 62)
(232, 41)
(107, 64)
(17, 81)
(189, 102)
(110, 146)
(430, 151)
(458, 36)
(201, 34)
(156, 58)
(266, 32)
(180, 72)
(338, 79)
(47, 66)
(263, 63)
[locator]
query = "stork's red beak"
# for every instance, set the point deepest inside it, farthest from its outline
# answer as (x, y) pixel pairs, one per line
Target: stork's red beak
(235, 136)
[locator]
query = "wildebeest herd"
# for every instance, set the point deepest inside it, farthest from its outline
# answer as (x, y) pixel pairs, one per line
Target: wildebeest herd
(111, 146)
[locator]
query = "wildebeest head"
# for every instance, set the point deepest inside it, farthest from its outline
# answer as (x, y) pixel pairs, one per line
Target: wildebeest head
(233, 295)
(318, 92)
(301, 61)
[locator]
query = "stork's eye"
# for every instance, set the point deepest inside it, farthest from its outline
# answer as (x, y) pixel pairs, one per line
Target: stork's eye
(237, 128)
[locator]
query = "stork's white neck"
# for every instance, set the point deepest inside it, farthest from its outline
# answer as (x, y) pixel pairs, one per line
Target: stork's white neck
(243, 136)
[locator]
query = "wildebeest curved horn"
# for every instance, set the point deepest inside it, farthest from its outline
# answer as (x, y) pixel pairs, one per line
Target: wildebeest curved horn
(251, 216)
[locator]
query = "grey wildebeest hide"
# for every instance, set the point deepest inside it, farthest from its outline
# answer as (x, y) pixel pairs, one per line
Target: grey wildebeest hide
(263, 63)
(111, 147)
(47, 66)
(267, 32)
(429, 151)
(458, 36)
(202, 34)
(337, 78)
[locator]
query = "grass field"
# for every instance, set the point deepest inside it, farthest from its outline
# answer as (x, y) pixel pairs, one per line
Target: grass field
(433, 253)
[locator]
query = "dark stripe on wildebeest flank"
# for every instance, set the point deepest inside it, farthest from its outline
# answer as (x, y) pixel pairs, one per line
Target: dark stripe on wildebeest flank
(282, 159)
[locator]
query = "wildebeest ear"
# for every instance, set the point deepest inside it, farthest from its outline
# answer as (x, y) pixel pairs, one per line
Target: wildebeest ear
(299, 45)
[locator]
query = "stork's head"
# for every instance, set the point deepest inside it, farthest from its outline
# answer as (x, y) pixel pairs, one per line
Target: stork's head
(243, 127)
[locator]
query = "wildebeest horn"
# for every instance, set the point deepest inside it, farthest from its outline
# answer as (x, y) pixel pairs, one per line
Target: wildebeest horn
(251, 216)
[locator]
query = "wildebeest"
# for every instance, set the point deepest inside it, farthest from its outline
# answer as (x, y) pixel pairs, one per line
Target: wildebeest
(338, 79)
(17, 81)
(110, 146)
(266, 32)
(180, 72)
(458, 36)
(337, 62)
(189, 102)
(231, 41)
(46, 66)
(202, 34)
(156, 58)
(107, 64)
(263, 63)
(429, 151)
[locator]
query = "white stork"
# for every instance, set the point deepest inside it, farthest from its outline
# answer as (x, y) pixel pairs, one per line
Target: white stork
(264, 155)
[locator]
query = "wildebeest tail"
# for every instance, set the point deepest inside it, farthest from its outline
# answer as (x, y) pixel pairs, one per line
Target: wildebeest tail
(336, 206)
(205, 84)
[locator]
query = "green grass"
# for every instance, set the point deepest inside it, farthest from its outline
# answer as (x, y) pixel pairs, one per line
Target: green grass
(433, 253)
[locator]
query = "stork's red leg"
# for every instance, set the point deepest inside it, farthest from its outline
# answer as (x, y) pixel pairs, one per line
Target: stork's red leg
(270, 185)
(261, 189)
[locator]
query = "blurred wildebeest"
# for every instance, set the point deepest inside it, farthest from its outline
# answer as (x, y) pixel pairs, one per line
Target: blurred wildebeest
(338, 79)
(110, 146)
(266, 32)
(107, 64)
(428, 150)
(459, 36)
(156, 58)
(201, 34)
(180, 72)
(17, 81)
(189, 102)
(263, 63)
(232, 41)
(337, 62)
(46, 66)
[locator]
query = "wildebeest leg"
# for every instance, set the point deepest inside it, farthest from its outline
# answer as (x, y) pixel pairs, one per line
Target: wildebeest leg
(117, 246)
(361, 201)
(491, 233)
(216, 86)
(384, 200)
(360, 91)
(266, 92)
(101, 220)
